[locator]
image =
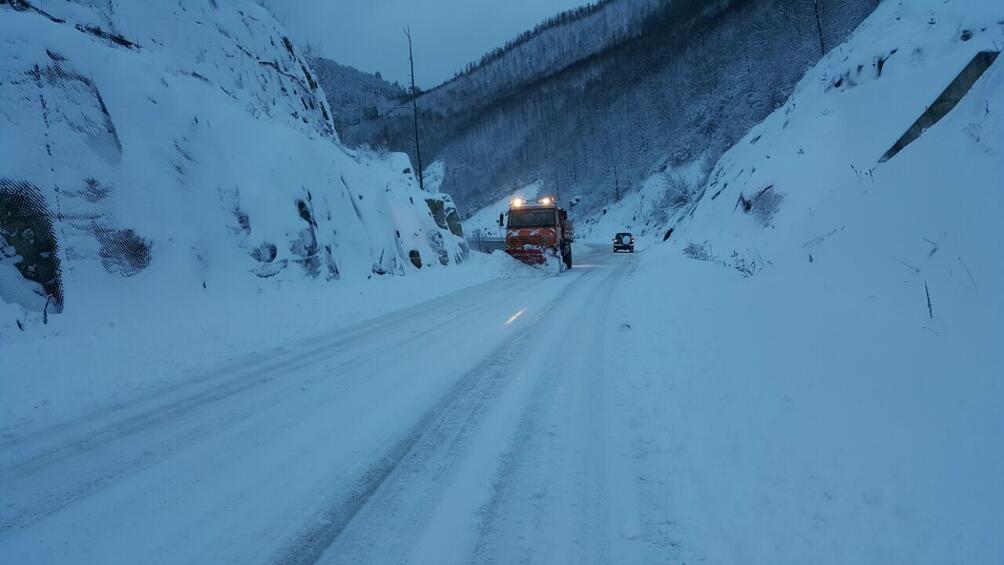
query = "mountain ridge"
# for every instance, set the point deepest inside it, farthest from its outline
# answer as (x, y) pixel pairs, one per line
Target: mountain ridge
(685, 87)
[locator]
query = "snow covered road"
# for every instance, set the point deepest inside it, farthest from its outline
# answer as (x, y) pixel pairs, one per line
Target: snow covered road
(640, 408)
(480, 426)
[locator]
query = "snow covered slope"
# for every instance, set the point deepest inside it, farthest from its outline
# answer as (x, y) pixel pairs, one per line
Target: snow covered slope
(828, 384)
(167, 148)
(799, 182)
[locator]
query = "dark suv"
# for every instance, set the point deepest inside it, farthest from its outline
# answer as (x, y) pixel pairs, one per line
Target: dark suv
(624, 242)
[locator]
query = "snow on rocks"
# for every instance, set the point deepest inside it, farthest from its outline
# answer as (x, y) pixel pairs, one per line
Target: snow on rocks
(214, 162)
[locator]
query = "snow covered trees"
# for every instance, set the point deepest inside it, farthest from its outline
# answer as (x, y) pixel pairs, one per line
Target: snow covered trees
(642, 82)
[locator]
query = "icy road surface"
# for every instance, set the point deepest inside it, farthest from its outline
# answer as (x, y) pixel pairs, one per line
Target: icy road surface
(482, 426)
(640, 408)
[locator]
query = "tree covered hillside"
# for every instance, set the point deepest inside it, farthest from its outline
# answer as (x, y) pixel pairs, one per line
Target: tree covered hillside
(626, 88)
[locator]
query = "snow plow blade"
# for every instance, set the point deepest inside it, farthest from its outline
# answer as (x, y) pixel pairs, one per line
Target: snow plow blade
(528, 256)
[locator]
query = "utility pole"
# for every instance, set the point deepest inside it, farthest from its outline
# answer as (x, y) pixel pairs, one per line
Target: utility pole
(617, 183)
(414, 110)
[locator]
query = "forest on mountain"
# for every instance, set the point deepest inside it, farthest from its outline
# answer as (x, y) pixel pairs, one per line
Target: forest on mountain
(355, 96)
(594, 102)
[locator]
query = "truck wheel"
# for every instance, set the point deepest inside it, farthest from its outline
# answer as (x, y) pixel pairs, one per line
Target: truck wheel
(566, 256)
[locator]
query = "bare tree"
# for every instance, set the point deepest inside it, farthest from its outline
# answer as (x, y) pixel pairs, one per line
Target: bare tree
(414, 109)
(824, 11)
(816, 9)
(617, 182)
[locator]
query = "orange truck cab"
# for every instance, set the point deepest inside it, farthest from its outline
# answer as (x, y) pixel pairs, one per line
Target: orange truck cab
(536, 228)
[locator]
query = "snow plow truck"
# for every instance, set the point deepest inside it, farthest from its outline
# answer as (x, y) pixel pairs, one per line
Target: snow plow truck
(536, 230)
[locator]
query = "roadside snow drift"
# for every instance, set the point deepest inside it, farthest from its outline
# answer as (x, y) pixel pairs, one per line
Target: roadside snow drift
(830, 377)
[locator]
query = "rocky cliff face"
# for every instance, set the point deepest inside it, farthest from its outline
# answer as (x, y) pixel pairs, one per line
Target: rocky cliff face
(185, 144)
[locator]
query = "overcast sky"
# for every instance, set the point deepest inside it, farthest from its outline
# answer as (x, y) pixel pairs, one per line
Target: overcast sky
(447, 34)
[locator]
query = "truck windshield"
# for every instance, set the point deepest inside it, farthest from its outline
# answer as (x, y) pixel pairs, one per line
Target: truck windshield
(539, 218)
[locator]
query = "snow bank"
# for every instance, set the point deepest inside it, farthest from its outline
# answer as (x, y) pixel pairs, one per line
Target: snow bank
(825, 331)
(805, 416)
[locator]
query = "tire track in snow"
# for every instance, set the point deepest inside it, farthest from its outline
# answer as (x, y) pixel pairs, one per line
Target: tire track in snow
(505, 475)
(184, 426)
(508, 485)
(440, 435)
(148, 401)
(133, 458)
